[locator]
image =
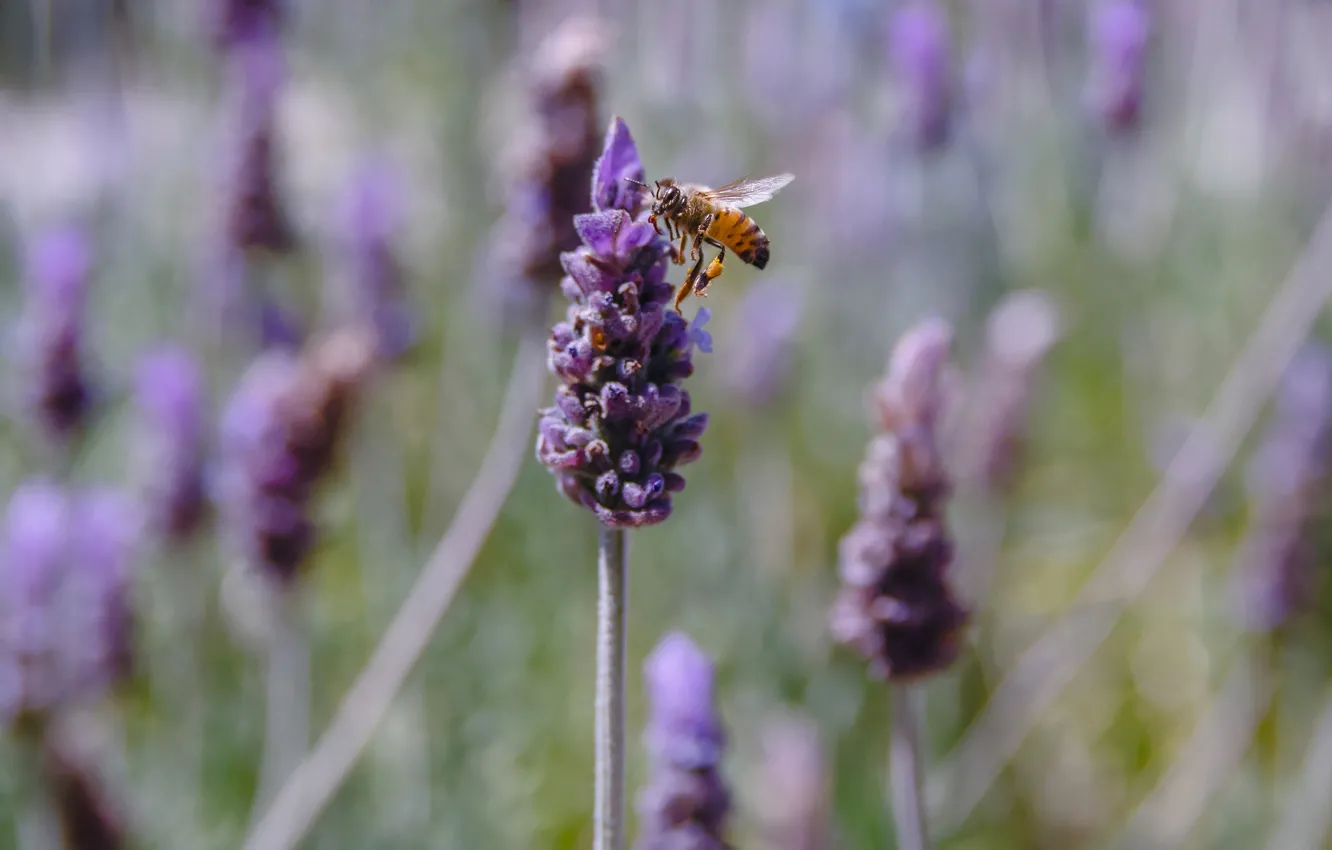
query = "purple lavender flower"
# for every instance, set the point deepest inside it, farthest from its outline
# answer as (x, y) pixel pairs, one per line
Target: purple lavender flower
(558, 157)
(685, 803)
(1118, 34)
(1287, 483)
(759, 359)
(56, 386)
(373, 218)
(236, 22)
(256, 217)
(896, 607)
(918, 45)
(621, 424)
(64, 596)
(279, 436)
(170, 400)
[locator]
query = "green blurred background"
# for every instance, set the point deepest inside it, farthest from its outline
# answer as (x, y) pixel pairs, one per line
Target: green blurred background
(1161, 247)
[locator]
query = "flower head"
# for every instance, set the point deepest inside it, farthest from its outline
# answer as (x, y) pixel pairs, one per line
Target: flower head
(169, 395)
(918, 43)
(65, 564)
(1287, 483)
(58, 395)
(279, 436)
(373, 217)
(1118, 32)
(685, 803)
(896, 607)
(621, 423)
(236, 22)
(559, 153)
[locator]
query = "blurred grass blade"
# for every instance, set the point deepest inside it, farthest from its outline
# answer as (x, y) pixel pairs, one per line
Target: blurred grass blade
(314, 782)
(1046, 667)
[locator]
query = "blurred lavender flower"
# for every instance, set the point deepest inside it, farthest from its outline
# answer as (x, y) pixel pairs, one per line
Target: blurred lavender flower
(90, 816)
(796, 793)
(1020, 332)
(170, 400)
(279, 435)
(65, 625)
(918, 48)
(558, 154)
(896, 606)
(1118, 32)
(56, 387)
(758, 362)
(256, 218)
(236, 22)
(685, 803)
(373, 218)
(1287, 483)
(621, 424)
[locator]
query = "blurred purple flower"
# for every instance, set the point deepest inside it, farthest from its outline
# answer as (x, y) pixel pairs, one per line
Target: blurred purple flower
(558, 156)
(1118, 32)
(621, 424)
(232, 23)
(685, 803)
(170, 400)
(373, 219)
(256, 218)
(918, 47)
(57, 391)
(1287, 483)
(758, 361)
(796, 798)
(65, 621)
(279, 436)
(896, 606)
(90, 814)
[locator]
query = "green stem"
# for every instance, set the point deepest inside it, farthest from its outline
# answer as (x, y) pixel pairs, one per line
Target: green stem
(905, 773)
(612, 563)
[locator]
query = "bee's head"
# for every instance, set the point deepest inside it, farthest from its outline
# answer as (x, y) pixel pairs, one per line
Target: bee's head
(667, 198)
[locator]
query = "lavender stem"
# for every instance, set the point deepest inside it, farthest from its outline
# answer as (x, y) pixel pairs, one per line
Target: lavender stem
(612, 579)
(312, 784)
(905, 772)
(287, 722)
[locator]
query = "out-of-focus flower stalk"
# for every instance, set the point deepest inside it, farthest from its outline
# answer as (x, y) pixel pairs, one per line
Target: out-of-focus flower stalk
(796, 797)
(896, 605)
(685, 803)
(172, 445)
(374, 288)
(919, 50)
(1118, 32)
(1288, 489)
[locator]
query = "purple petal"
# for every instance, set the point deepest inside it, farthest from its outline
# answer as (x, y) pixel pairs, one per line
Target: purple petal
(618, 164)
(599, 230)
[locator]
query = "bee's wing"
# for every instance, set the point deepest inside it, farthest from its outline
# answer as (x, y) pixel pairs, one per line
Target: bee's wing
(746, 192)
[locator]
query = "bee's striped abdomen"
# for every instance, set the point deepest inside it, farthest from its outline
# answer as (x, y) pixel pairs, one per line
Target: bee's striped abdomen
(741, 234)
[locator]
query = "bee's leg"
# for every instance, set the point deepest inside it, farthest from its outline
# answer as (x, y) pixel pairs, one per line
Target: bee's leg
(652, 220)
(680, 252)
(714, 270)
(700, 235)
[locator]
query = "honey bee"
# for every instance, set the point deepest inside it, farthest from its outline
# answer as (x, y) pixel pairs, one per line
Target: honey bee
(713, 216)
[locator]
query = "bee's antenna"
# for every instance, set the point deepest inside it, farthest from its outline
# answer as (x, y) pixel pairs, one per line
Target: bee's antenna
(637, 182)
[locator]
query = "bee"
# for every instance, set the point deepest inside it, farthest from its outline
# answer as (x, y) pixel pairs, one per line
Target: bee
(712, 216)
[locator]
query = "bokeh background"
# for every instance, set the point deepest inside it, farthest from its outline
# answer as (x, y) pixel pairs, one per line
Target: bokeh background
(1154, 195)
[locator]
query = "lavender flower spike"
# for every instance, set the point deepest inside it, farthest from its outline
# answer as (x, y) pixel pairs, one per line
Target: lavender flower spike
(1118, 33)
(234, 22)
(1286, 480)
(685, 803)
(621, 423)
(759, 363)
(896, 606)
(280, 434)
(558, 153)
(373, 217)
(57, 391)
(918, 43)
(170, 400)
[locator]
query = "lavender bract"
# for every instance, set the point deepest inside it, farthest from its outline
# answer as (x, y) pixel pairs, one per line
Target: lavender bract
(375, 289)
(65, 625)
(1287, 484)
(279, 436)
(1118, 33)
(685, 803)
(918, 44)
(169, 395)
(621, 423)
(896, 607)
(57, 390)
